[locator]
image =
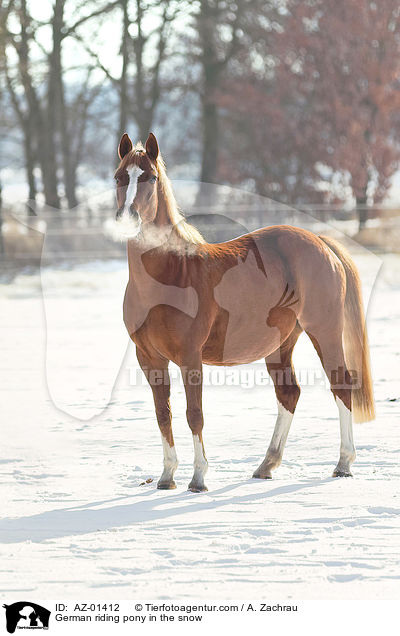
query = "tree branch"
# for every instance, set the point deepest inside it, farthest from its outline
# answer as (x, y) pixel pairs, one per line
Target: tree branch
(72, 28)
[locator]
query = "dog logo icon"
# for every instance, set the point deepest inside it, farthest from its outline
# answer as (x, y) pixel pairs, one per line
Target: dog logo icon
(26, 615)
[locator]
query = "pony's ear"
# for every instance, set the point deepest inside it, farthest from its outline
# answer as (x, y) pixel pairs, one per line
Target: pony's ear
(152, 147)
(125, 146)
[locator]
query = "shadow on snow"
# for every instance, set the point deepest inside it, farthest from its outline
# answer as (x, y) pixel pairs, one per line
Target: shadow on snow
(86, 518)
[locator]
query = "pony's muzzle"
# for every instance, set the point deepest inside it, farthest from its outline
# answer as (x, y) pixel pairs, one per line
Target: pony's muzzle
(133, 214)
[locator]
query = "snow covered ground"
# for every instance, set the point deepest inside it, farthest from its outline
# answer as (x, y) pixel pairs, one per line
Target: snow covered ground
(76, 523)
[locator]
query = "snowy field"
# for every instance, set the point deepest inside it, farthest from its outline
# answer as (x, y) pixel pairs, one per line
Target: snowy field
(76, 523)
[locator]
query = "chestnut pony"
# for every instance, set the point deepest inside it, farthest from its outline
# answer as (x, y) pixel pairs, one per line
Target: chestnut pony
(191, 302)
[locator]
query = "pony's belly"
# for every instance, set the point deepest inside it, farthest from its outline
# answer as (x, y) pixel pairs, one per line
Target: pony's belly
(241, 346)
(255, 312)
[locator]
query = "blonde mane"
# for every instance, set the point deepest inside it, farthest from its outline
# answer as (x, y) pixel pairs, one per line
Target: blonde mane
(181, 227)
(169, 217)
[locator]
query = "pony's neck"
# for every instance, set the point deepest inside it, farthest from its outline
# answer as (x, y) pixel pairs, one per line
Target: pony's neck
(167, 210)
(169, 227)
(169, 235)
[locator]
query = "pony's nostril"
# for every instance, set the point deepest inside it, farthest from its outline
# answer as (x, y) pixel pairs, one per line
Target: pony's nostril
(133, 213)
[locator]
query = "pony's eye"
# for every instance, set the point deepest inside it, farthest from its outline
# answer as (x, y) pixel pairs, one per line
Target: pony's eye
(153, 179)
(116, 180)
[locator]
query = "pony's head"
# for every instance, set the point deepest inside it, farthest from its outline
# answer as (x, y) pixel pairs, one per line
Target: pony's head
(136, 179)
(145, 194)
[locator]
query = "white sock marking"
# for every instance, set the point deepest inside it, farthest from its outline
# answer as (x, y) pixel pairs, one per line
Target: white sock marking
(281, 431)
(200, 463)
(347, 450)
(170, 460)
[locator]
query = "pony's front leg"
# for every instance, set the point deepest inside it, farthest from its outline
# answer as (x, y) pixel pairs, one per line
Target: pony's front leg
(192, 375)
(156, 372)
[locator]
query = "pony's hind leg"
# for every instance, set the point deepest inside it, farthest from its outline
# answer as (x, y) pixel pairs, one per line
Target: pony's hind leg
(330, 350)
(347, 448)
(287, 393)
(156, 372)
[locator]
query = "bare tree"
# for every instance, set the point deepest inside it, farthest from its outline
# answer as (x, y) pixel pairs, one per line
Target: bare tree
(343, 59)
(58, 111)
(1, 221)
(42, 110)
(26, 122)
(144, 53)
(220, 34)
(147, 81)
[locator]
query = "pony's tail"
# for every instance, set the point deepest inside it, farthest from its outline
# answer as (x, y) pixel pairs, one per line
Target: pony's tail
(355, 338)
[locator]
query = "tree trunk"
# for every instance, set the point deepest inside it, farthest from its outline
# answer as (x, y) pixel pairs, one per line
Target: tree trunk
(209, 159)
(212, 68)
(48, 170)
(68, 168)
(49, 130)
(30, 167)
(362, 211)
(140, 76)
(28, 130)
(60, 114)
(1, 222)
(30, 160)
(37, 124)
(144, 121)
(40, 121)
(123, 82)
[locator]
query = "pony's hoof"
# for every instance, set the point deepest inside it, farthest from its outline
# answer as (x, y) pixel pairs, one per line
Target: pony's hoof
(166, 485)
(197, 488)
(258, 475)
(341, 473)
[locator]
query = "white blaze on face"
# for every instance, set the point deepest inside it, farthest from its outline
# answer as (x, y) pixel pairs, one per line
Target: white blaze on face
(134, 172)
(126, 226)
